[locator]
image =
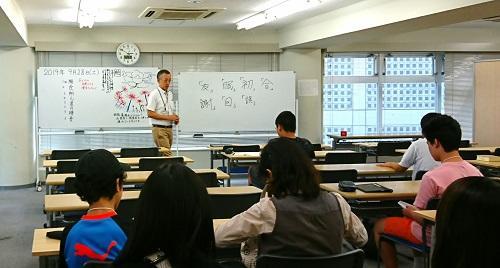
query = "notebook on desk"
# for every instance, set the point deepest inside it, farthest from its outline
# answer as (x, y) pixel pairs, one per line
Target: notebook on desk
(373, 188)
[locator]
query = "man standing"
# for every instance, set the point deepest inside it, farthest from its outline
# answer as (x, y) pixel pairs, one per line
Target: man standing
(161, 111)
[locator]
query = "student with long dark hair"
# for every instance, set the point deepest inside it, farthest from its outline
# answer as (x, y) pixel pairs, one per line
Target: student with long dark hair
(297, 218)
(173, 223)
(467, 220)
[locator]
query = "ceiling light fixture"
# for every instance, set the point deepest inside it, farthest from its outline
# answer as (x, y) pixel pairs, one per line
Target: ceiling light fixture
(86, 16)
(284, 9)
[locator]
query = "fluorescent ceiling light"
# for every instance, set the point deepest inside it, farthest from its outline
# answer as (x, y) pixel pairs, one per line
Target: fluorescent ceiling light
(276, 12)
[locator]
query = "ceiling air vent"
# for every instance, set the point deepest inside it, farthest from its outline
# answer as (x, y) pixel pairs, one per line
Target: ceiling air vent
(177, 13)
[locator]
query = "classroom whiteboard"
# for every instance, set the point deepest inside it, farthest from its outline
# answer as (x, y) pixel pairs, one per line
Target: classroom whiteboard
(94, 97)
(234, 101)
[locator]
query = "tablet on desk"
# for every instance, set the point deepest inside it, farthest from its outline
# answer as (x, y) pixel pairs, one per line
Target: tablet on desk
(373, 188)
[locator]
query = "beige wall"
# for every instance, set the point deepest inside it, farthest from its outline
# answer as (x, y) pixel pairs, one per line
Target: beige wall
(487, 98)
(17, 156)
(307, 64)
(106, 39)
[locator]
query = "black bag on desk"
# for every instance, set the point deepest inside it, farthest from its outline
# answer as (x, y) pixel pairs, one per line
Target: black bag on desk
(347, 186)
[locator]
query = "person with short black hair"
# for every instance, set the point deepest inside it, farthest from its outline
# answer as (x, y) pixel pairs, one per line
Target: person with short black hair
(173, 222)
(285, 127)
(161, 111)
(281, 222)
(418, 154)
(98, 235)
(467, 224)
(443, 136)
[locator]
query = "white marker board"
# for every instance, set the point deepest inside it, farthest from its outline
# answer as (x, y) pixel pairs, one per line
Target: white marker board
(94, 97)
(234, 101)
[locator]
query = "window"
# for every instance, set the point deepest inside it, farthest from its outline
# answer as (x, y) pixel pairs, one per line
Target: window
(393, 101)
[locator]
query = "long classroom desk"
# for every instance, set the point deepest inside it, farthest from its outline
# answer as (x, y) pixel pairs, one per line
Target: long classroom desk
(488, 164)
(71, 202)
(401, 190)
(45, 247)
(254, 156)
(366, 169)
(132, 176)
(133, 161)
(115, 151)
(489, 148)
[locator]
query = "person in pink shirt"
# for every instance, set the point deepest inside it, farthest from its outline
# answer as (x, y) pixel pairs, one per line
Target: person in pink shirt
(443, 136)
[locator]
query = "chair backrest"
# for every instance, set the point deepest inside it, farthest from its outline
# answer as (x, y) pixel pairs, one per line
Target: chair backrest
(242, 148)
(67, 154)
(317, 147)
(345, 158)
(66, 166)
(433, 203)
(464, 143)
(69, 185)
(98, 264)
(126, 212)
(139, 152)
(420, 174)
(209, 178)
(472, 154)
(225, 206)
(351, 259)
(497, 152)
(334, 176)
(154, 163)
(388, 148)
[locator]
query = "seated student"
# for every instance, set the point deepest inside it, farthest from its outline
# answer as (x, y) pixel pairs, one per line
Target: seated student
(443, 136)
(285, 127)
(467, 225)
(297, 218)
(417, 155)
(173, 223)
(97, 236)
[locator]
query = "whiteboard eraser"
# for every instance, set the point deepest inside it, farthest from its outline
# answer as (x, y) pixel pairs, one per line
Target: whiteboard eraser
(80, 132)
(198, 135)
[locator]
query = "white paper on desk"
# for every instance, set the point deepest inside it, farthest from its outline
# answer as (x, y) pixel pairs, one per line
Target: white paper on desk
(308, 87)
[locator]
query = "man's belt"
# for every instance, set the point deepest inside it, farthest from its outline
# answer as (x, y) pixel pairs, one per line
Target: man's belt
(162, 126)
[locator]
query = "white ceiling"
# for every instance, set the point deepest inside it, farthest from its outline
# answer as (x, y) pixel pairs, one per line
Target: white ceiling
(125, 12)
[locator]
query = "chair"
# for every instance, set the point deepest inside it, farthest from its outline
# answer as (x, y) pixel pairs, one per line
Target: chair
(238, 148)
(69, 185)
(126, 213)
(472, 154)
(70, 216)
(317, 147)
(420, 174)
(66, 166)
(334, 176)
(139, 152)
(497, 152)
(345, 158)
(98, 264)
(388, 148)
(67, 154)
(351, 259)
(421, 248)
(154, 163)
(209, 178)
(225, 206)
(464, 143)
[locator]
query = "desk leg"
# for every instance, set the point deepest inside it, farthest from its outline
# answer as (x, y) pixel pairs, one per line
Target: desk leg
(49, 218)
(211, 159)
(229, 164)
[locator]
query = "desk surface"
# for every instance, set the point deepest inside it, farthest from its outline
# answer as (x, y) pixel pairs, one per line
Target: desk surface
(495, 165)
(363, 169)
(256, 155)
(401, 190)
(116, 151)
(427, 214)
(133, 161)
(132, 176)
(491, 149)
(219, 147)
(44, 246)
(70, 202)
(375, 136)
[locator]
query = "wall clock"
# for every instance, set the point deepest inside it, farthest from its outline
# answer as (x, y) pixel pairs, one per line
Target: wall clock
(128, 53)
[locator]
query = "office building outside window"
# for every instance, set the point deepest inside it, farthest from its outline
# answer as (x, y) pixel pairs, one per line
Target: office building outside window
(360, 100)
